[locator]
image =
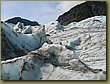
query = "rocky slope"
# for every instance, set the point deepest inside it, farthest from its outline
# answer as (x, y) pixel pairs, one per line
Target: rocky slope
(26, 22)
(83, 11)
(77, 52)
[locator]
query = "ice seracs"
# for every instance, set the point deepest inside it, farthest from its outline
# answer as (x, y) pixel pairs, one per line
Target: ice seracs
(23, 42)
(19, 27)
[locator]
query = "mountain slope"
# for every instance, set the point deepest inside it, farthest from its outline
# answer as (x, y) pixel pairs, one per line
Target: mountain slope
(15, 20)
(83, 11)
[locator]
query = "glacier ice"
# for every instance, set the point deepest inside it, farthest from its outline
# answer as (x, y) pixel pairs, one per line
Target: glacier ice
(23, 42)
(83, 59)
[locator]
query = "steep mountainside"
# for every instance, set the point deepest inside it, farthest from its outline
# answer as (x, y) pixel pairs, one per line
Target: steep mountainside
(15, 20)
(83, 11)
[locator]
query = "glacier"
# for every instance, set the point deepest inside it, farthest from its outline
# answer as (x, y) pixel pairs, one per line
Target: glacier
(78, 52)
(23, 42)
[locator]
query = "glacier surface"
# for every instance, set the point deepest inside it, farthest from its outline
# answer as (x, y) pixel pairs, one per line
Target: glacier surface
(78, 52)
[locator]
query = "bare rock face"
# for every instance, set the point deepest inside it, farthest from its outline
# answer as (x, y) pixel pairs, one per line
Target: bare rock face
(83, 11)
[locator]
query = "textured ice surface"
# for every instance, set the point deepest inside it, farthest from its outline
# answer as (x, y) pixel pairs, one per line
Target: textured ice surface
(78, 53)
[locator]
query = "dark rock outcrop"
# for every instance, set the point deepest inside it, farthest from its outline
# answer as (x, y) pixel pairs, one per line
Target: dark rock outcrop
(83, 11)
(15, 20)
